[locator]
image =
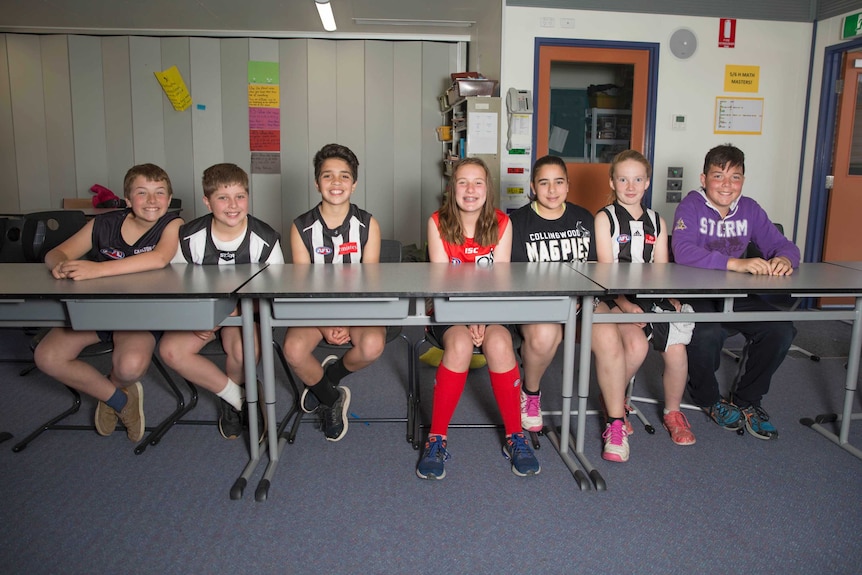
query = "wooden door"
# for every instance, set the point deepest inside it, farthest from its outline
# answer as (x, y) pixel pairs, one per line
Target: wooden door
(841, 242)
(589, 182)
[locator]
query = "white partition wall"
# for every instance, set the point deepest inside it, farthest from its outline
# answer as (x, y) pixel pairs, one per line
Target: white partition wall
(80, 110)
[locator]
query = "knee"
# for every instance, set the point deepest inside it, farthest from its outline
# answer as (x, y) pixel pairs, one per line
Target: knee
(707, 335)
(542, 342)
(371, 346)
(779, 334)
(130, 367)
(169, 353)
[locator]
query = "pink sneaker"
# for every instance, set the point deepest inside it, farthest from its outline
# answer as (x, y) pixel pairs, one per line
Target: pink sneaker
(531, 412)
(616, 442)
(680, 431)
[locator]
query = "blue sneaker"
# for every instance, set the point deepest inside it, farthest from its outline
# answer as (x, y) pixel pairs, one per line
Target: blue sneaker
(518, 451)
(726, 415)
(757, 423)
(431, 465)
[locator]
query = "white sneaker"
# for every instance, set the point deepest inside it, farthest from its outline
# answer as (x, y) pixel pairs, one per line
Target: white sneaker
(616, 442)
(531, 411)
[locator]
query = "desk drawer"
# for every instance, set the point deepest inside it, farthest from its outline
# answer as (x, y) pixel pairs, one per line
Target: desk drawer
(33, 310)
(340, 308)
(545, 309)
(149, 314)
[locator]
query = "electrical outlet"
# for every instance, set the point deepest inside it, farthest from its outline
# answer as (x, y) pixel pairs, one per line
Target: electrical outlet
(674, 185)
(674, 197)
(567, 22)
(547, 22)
(674, 173)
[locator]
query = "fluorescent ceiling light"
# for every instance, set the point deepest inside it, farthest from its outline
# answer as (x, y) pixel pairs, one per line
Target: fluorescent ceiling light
(326, 17)
(394, 22)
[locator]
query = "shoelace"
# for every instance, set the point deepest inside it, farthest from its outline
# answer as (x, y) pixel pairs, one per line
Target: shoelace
(723, 411)
(679, 419)
(436, 450)
(616, 431)
(518, 444)
(532, 405)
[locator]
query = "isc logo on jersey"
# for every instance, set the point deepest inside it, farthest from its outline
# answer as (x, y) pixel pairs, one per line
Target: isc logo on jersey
(348, 248)
(113, 253)
(323, 250)
(624, 239)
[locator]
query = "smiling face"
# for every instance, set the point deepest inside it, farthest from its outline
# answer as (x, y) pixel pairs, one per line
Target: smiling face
(229, 205)
(335, 182)
(551, 186)
(149, 199)
(723, 186)
(471, 188)
(629, 182)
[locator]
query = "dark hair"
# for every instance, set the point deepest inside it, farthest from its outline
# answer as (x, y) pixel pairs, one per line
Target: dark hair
(724, 156)
(626, 155)
(336, 151)
(450, 220)
(151, 172)
(223, 175)
(549, 161)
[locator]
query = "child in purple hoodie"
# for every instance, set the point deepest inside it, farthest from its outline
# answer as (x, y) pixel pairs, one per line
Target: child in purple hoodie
(712, 229)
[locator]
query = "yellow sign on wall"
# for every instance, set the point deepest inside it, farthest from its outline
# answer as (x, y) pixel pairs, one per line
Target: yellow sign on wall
(741, 78)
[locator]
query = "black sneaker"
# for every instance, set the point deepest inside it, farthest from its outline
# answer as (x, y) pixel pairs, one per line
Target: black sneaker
(335, 417)
(308, 402)
(229, 420)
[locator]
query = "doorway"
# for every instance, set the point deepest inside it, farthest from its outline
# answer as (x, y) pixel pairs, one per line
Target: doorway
(837, 154)
(593, 99)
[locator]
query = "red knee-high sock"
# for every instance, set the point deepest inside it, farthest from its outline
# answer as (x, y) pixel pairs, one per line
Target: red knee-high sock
(448, 386)
(507, 388)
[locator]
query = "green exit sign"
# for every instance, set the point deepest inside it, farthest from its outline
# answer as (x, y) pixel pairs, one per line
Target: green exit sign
(852, 26)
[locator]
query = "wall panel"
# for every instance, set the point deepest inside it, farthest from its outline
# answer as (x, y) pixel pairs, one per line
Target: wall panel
(409, 225)
(29, 124)
(379, 121)
(8, 193)
(266, 187)
(179, 158)
(205, 86)
(322, 101)
(58, 119)
(145, 59)
(88, 111)
(116, 71)
(296, 173)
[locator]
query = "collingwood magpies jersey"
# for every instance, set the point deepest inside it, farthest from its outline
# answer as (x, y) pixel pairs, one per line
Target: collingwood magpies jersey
(632, 240)
(566, 239)
(260, 243)
(340, 245)
(107, 238)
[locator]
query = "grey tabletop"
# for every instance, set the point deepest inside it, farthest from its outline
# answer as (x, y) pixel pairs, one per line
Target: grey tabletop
(418, 280)
(852, 265)
(809, 278)
(177, 281)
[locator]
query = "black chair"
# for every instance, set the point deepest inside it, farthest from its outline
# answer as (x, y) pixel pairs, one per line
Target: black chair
(40, 233)
(390, 252)
(43, 231)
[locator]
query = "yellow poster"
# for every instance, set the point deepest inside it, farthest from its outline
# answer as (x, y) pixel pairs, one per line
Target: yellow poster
(741, 78)
(263, 96)
(175, 89)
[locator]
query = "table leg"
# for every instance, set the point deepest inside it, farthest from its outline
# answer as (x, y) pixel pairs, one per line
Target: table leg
(561, 443)
(842, 439)
(250, 367)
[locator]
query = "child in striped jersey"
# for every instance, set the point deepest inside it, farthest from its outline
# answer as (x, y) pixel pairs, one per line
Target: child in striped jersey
(228, 235)
(333, 232)
(628, 232)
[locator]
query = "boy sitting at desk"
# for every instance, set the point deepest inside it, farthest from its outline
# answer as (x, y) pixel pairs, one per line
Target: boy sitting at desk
(333, 232)
(713, 227)
(147, 231)
(227, 235)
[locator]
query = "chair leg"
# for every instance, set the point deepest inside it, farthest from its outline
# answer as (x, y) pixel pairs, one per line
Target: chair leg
(181, 410)
(52, 423)
(631, 409)
(294, 411)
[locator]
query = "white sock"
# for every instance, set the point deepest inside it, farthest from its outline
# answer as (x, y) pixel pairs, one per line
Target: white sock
(233, 394)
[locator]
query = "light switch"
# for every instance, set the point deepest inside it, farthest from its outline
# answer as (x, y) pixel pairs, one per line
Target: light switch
(678, 122)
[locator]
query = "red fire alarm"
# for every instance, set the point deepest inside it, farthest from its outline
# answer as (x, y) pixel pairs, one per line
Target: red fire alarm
(727, 33)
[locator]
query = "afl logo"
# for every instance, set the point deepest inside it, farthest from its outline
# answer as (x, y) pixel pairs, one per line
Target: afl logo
(455, 261)
(113, 253)
(624, 239)
(323, 250)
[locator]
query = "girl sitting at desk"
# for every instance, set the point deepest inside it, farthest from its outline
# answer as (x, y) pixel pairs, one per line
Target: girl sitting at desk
(626, 231)
(469, 229)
